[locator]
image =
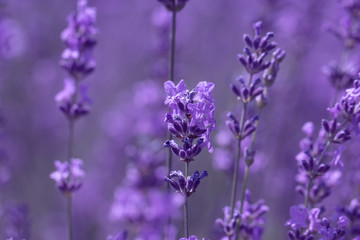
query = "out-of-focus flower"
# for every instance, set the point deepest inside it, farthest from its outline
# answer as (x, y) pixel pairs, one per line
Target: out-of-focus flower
(68, 175)
(79, 38)
(74, 104)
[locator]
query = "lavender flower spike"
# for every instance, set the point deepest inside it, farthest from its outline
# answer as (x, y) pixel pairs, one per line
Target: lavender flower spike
(79, 38)
(191, 112)
(68, 178)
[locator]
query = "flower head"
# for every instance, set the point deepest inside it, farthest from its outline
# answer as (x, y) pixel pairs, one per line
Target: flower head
(191, 113)
(79, 38)
(185, 186)
(68, 176)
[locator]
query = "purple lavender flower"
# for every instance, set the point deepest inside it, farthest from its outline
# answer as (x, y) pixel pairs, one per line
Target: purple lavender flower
(228, 224)
(191, 114)
(341, 77)
(352, 212)
(66, 97)
(185, 186)
(299, 216)
(251, 220)
(79, 38)
(254, 62)
(68, 176)
(174, 5)
(335, 233)
(347, 31)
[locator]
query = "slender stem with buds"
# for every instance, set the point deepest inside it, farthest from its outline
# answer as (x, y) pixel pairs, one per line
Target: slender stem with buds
(171, 74)
(321, 158)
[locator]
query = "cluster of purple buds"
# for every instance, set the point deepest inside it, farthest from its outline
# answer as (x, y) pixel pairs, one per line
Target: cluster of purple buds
(229, 224)
(251, 220)
(256, 50)
(174, 5)
(335, 233)
(312, 165)
(340, 77)
(350, 103)
(271, 72)
(191, 117)
(234, 126)
(333, 131)
(78, 60)
(349, 31)
(188, 150)
(68, 175)
(352, 212)
(79, 38)
(304, 224)
(247, 93)
(73, 102)
(185, 186)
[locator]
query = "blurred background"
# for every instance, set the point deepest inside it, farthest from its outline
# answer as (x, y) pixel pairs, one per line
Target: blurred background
(131, 57)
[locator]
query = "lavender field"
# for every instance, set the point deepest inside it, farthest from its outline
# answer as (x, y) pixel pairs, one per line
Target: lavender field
(179, 120)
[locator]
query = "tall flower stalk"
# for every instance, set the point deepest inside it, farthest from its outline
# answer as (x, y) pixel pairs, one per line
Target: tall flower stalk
(77, 59)
(261, 75)
(173, 6)
(190, 120)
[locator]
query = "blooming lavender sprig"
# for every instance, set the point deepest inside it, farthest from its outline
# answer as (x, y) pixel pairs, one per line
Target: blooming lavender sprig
(191, 120)
(77, 59)
(262, 74)
(79, 39)
(308, 225)
(252, 220)
(343, 73)
(191, 117)
(314, 172)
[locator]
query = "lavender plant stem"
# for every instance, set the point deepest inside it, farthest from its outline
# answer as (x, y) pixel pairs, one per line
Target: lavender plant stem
(68, 197)
(238, 157)
(186, 210)
(171, 74)
(70, 154)
(69, 216)
(311, 179)
(321, 158)
(237, 162)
